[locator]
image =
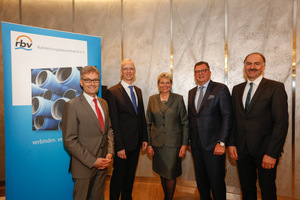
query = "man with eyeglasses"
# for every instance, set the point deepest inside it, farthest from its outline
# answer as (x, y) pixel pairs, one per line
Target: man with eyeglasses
(259, 129)
(127, 115)
(210, 123)
(88, 136)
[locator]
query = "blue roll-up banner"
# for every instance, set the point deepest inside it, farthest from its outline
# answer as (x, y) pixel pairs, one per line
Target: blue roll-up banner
(41, 73)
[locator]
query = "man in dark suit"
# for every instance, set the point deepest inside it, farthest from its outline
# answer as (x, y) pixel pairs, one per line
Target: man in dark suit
(127, 115)
(88, 136)
(210, 122)
(260, 128)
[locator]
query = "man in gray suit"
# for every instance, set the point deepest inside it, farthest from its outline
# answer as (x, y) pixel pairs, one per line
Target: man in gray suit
(88, 136)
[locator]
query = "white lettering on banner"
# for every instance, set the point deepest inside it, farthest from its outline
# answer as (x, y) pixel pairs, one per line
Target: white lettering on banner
(47, 141)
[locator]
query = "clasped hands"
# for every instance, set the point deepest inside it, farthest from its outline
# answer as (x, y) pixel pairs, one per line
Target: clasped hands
(102, 163)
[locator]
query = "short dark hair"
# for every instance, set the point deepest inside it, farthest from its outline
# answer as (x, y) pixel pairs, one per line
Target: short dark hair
(202, 63)
(257, 53)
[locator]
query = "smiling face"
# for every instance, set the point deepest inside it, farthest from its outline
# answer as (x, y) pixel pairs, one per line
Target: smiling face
(128, 71)
(164, 85)
(254, 66)
(92, 87)
(202, 74)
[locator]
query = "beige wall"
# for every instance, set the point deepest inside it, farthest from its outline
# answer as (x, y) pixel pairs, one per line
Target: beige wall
(200, 31)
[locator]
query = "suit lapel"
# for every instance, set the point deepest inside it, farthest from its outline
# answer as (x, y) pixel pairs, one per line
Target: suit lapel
(90, 111)
(129, 102)
(240, 93)
(257, 94)
(192, 98)
(164, 107)
(207, 93)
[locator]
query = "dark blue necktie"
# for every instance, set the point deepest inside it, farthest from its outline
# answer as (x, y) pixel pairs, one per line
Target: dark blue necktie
(248, 97)
(133, 99)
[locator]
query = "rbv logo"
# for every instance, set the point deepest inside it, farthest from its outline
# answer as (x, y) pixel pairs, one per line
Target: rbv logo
(23, 42)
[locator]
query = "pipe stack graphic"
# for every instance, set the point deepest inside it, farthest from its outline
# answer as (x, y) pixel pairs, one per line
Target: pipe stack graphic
(51, 89)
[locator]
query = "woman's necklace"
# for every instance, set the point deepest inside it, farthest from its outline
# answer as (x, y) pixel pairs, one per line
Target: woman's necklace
(164, 98)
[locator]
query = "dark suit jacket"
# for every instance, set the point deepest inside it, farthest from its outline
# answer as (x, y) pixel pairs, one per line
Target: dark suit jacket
(167, 125)
(83, 136)
(129, 128)
(213, 123)
(263, 128)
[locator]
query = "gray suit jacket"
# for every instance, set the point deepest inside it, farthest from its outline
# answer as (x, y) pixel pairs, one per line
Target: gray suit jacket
(167, 125)
(83, 136)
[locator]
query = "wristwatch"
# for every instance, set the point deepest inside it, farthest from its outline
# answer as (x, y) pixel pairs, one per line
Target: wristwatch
(222, 144)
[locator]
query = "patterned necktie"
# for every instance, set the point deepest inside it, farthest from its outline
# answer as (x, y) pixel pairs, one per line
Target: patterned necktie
(200, 98)
(100, 117)
(133, 99)
(248, 99)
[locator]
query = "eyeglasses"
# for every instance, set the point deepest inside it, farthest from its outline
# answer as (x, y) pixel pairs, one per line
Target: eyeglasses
(90, 80)
(201, 71)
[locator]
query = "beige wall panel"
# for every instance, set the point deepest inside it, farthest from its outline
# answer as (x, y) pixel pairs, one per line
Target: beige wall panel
(266, 27)
(9, 12)
(198, 35)
(297, 108)
(53, 14)
(147, 43)
(103, 19)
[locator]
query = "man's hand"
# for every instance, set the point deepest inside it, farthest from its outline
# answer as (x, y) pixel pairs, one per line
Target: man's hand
(109, 156)
(144, 146)
(219, 150)
(150, 151)
(182, 151)
(121, 154)
(102, 163)
(268, 162)
(233, 152)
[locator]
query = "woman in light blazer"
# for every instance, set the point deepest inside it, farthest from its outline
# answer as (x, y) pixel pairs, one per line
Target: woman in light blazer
(167, 126)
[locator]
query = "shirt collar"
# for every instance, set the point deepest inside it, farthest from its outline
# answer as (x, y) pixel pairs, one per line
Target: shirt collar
(124, 84)
(256, 81)
(88, 97)
(205, 85)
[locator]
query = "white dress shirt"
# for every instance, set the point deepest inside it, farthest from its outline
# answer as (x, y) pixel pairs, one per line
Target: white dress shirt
(127, 89)
(256, 82)
(90, 100)
(198, 93)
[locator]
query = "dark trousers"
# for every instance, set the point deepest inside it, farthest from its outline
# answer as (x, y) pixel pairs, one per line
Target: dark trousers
(210, 173)
(248, 169)
(123, 176)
